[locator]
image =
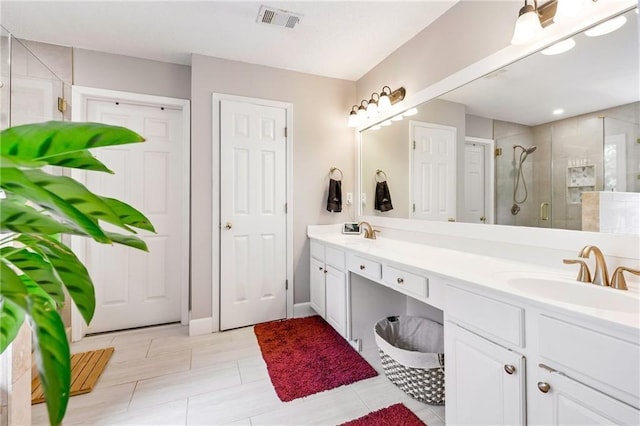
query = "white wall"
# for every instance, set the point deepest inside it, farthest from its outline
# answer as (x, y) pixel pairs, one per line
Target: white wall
(321, 139)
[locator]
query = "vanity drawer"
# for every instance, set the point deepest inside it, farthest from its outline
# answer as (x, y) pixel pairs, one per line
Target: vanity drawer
(366, 267)
(317, 251)
(496, 320)
(335, 258)
(407, 281)
(609, 361)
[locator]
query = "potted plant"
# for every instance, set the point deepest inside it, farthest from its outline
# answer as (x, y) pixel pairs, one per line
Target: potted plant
(36, 207)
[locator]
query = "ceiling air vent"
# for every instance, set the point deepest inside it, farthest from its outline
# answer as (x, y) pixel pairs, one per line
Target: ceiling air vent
(281, 18)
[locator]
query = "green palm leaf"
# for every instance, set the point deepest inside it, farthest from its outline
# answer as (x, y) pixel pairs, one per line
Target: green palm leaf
(40, 271)
(128, 214)
(15, 216)
(15, 181)
(70, 270)
(11, 319)
(44, 141)
(128, 240)
(78, 160)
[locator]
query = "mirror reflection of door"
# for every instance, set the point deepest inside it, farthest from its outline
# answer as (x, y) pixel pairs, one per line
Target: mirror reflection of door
(478, 170)
(433, 172)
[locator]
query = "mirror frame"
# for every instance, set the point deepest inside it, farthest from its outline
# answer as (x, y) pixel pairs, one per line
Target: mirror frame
(597, 12)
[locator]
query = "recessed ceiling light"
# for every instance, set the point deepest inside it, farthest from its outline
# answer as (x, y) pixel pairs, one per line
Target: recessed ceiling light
(559, 47)
(606, 27)
(398, 117)
(558, 111)
(409, 112)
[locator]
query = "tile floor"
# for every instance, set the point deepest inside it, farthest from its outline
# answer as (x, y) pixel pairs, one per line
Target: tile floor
(161, 376)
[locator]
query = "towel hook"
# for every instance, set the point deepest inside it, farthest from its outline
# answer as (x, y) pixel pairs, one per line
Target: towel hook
(380, 172)
(335, 169)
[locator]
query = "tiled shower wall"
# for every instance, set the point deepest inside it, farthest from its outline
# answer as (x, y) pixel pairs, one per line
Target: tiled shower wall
(574, 141)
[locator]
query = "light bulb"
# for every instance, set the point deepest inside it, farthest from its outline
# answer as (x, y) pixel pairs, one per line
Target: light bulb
(372, 108)
(567, 9)
(353, 119)
(527, 26)
(362, 113)
(384, 103)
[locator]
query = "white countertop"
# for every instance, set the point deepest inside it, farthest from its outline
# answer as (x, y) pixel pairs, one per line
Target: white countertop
(497, 274)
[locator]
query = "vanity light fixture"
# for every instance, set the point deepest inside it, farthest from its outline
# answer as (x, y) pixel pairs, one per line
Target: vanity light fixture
(567, 9)
(379, 102)
(527, 25)
(410, 112)
(559, 47)
(606, 27)
(398, 117)
(353, 117)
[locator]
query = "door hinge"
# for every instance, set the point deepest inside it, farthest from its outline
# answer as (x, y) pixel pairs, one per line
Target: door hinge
(286, 208)
(62, 105)
(498, 152)
(286, 132)
(286, 284)
(414, 144)
(414, 208)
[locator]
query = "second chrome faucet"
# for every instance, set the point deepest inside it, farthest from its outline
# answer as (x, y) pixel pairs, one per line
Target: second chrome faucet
(600, 273)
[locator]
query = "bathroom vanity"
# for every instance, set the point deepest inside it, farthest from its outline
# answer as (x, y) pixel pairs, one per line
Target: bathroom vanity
(524, 342)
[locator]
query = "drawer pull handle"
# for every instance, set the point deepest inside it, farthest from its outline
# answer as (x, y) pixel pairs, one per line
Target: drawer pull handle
(362, 267)
(400, 280)
(510, 369)
(544, 387)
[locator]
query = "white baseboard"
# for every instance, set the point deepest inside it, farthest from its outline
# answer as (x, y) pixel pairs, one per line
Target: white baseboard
(301, 310)
(200, 326)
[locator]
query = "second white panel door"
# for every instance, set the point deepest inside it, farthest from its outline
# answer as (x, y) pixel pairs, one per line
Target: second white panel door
(253, 213)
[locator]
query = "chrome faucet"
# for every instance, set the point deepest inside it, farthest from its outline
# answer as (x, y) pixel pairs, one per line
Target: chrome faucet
(369, 232)
(600, 275)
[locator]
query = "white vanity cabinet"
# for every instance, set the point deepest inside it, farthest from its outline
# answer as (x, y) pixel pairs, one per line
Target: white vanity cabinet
(485, 378)
(485, 383)
(328, 285)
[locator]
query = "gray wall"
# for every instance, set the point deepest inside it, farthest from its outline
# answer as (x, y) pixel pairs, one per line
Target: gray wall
(321, 139)
(128, 74)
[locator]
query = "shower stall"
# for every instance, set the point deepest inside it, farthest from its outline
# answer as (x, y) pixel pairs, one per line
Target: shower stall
(554, 166)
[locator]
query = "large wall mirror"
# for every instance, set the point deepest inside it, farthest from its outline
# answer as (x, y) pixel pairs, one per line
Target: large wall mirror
(552, 140)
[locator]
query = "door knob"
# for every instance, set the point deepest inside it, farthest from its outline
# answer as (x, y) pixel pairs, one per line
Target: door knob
(451, 219)
(483, 219)
(510, 369)
(544, 387)
(228, 226)
(400, 280)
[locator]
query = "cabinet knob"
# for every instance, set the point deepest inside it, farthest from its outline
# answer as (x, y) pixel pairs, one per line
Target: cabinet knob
(510, 369)
(544, 387)
(361, 267)
(319, 268)
(400, 280)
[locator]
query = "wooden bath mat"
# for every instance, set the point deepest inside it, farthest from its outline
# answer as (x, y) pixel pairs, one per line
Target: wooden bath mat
(86, 368)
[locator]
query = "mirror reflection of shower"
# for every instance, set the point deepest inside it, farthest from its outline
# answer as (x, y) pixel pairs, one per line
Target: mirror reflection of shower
(518, 178)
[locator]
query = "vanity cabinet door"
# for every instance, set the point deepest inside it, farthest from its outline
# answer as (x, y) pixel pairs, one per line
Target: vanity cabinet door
(484, 382)
(559, 400)
(317, 287)
(336, 297)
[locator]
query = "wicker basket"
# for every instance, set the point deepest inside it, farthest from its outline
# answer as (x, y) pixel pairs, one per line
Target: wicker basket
(423, 384)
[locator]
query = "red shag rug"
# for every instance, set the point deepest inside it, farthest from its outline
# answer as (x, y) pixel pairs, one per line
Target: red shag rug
(306, 356)
(394, 415)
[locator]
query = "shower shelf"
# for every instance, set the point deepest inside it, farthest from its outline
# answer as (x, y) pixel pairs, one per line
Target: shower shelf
(579, 180)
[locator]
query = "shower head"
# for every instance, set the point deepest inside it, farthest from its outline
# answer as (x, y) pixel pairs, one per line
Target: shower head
(526, 150)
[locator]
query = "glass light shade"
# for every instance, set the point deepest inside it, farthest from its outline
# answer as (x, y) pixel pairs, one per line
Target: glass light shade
(372, 108)
(606, 27)
(353, 119)
(362, 113)
(384, 103)
(398, 117)
(386, 123)
(527, 26)
(559, 47)
(410, 112)
(567, 9)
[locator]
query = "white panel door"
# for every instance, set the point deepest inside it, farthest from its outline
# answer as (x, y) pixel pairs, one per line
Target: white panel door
(474, 208)
(480, 390)
(433, 171)
(252, 213)
(134, 288)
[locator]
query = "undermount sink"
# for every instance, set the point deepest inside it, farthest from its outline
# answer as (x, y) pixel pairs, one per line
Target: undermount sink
(578, 293)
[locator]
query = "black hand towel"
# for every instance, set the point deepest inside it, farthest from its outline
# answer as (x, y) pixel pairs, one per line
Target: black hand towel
(334, 201)
(383, 198)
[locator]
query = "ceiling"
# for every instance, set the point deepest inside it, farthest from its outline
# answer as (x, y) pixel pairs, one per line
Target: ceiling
(341, 39)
